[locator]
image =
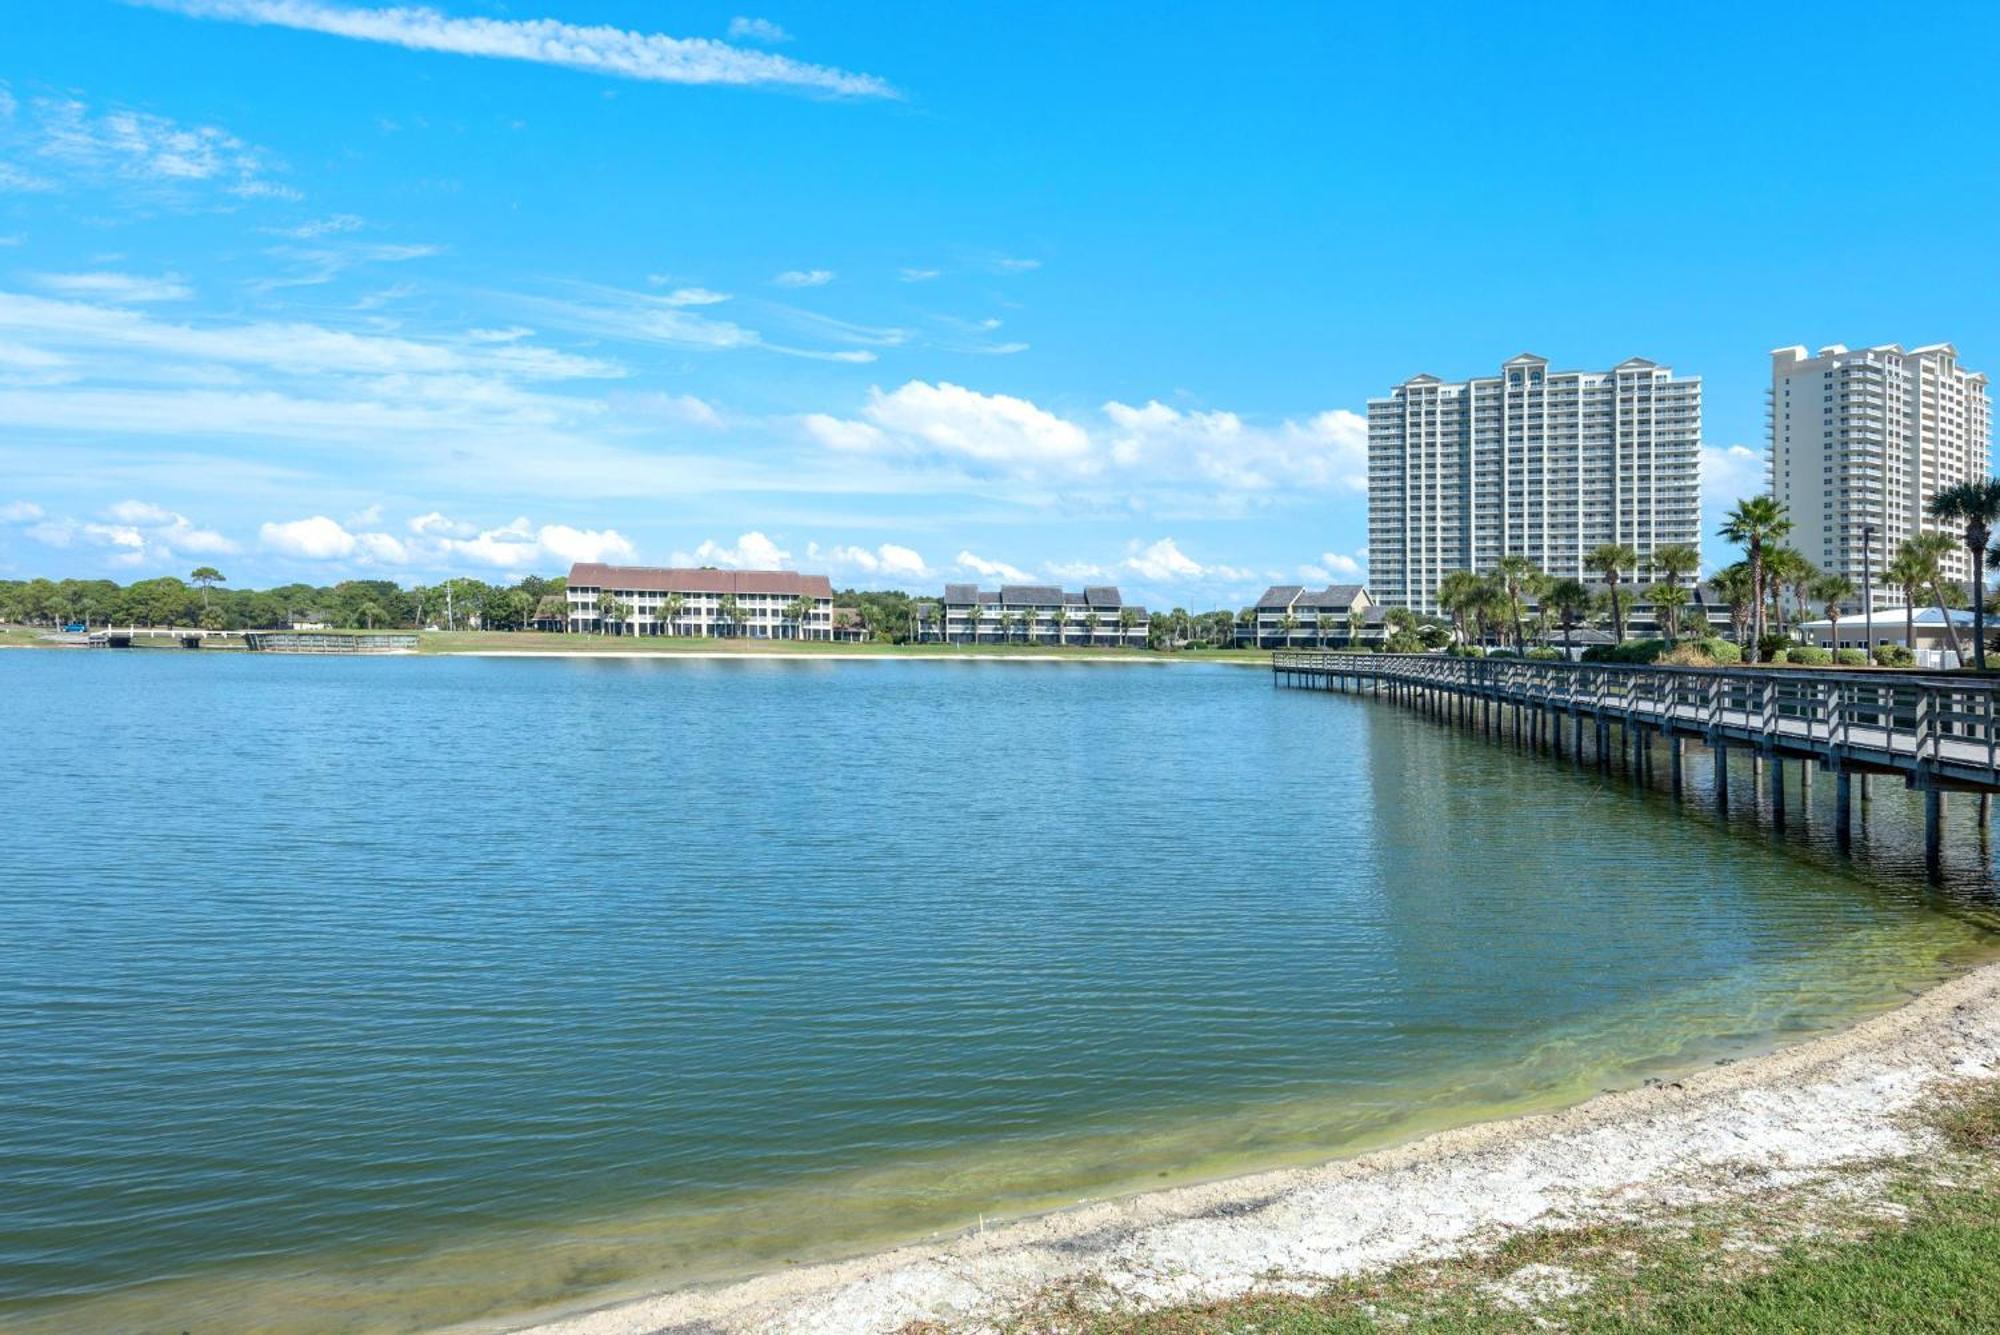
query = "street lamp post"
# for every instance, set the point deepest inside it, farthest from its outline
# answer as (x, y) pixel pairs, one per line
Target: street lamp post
(1868, 585)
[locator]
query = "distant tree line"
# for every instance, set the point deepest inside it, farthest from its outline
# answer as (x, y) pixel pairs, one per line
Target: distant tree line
(204, 599)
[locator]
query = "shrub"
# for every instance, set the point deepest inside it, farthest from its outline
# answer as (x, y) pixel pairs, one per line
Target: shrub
(1466, 651)
(1773, 643)
(1689, 654)
(1851, 657)
(1402, 642)
(1894, 655)
(1545, 655)
(1721, 651)
(1777, 658)
(1808, 655)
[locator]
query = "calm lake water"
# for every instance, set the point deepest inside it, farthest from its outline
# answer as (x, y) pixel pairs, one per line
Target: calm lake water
(371, 995)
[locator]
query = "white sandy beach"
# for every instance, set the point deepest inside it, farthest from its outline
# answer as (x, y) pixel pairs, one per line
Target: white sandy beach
(1835, 1100)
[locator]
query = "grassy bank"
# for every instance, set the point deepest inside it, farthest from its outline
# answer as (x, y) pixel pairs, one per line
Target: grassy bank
(1903, 1245)
(477, 641)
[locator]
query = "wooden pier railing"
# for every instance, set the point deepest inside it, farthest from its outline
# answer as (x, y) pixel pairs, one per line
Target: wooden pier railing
(1938, 733)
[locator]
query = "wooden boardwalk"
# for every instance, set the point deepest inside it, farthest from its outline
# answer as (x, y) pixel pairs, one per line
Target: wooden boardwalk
(1939, 734)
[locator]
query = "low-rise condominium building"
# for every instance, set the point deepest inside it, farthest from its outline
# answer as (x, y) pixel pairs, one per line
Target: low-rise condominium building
(1031, 614)
(735, 604)
(1293, 614)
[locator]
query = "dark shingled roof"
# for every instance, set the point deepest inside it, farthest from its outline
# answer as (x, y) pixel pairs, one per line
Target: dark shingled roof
(1103, 595)
(1333, 598)
(1278, 597)
(1030, 595)
(662, 579)
(961, 593)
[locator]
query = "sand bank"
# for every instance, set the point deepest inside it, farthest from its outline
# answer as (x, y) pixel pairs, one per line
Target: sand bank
(1834, 1100)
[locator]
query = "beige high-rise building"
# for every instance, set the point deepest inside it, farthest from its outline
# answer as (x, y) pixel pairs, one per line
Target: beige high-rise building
(1533, 462)
(1864, 438)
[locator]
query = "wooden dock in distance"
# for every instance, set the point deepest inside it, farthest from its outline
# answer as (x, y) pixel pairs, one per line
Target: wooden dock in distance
(1939, 734)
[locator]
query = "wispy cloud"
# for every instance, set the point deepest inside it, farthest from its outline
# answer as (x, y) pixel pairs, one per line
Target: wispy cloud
(64, 141)
(804, 278)
(118, 287)
(437, 541)
(757, 30)
(644, 317)
(918, 275)
(319, 227)
(596, 49)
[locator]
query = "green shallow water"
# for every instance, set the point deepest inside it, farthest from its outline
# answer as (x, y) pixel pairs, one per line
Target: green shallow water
(406, 993)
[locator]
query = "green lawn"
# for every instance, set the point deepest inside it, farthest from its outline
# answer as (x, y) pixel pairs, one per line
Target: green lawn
(474, 641)
(1905, 1247)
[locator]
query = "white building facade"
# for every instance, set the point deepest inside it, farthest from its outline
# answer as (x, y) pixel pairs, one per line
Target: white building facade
(1532, 462)
(1033, 614)
(1864, 438)
(736, 604)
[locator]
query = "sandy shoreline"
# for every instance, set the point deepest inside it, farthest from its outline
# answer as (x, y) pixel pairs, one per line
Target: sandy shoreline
(1838, 1099)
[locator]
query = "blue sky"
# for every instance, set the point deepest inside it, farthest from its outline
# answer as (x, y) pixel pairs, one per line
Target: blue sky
(313, 289)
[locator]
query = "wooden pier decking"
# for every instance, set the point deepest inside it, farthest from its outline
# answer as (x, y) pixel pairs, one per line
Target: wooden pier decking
(1939, 734)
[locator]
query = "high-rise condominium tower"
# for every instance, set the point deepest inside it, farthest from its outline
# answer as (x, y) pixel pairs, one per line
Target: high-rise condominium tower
(1863, 439)
(1540, 463)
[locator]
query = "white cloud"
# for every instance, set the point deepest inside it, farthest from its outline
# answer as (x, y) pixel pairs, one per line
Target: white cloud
(753, 551)
(117, 287)
(143, 525)
(439, 542)
(20, 512)
(757, 30)
(1153, 445)
(435, 525)
(1347, 567)
(694, 296)
(887, 559)
(804, 278)
(315, 539)
(991, 430)
(157, 154)
(1327, 451)
(319, 227)
(918, 275)
(1009, 264)
(1731, 472)
(1164, 561)
(979, 565)
(653, 57)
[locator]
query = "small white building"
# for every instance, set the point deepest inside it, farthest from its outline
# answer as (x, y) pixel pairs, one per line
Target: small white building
(1921, 629)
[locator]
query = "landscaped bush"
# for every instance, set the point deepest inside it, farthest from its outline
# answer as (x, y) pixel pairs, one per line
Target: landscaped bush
(1894, 655)
(1851, 657)
(1402, 642)
(1466, 651)
(1721, 650)
(1545, 655)
(1632, 651)
(1687, 654)
(1777, 657)
(1808, 655)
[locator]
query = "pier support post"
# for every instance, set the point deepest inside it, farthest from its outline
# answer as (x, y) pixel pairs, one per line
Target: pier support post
(1843, 810)
(1603, 747)
(1676, 762)
(1933, 829)
(1720, 749)
(1867, 787)
(1777, 792)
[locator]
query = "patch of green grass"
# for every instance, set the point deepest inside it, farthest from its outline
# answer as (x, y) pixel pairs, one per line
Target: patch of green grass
(1908, 1245)
(448, 642)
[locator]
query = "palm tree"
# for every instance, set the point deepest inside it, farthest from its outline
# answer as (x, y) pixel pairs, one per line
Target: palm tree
(796, 612)
(1668, 599)
(1289, 625)
(1457, 593)
(1752, 523)
(208, 577)
(607, 608)
(1357, 620)
(1099, 623)
(1908, 572)
(1734, 584)
(727, 610)
(1128, 621)
(1610, 560)
(211, 618)
(1976, 505)
(1519, 581)
(1676, 561)
(1929, 551)
(370, 614)
(1060, 620)
(1571, 599)
(670, 608)
(1832, 591)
